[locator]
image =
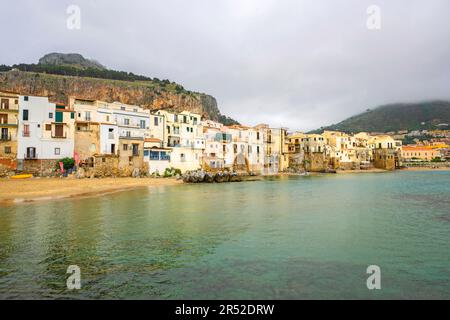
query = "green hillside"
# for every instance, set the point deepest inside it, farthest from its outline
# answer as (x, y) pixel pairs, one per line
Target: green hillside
(395, 117)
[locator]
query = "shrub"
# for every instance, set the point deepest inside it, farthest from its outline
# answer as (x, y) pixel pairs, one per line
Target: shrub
(171, 172)
(68, 163)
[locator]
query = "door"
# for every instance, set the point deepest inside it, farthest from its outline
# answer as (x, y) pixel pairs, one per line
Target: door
(59, 130)
(113, 148)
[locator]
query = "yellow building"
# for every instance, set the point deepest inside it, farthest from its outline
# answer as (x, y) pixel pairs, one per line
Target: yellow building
(411, 153)
(9, 119)
(384, 152)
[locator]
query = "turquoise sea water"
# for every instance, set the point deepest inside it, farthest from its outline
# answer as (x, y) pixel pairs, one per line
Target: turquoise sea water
(281, 238)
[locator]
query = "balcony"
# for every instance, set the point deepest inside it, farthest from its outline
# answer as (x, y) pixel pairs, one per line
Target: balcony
(55, 136)
(5, 137)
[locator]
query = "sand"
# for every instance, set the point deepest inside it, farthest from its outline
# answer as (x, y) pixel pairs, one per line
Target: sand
(36, 189)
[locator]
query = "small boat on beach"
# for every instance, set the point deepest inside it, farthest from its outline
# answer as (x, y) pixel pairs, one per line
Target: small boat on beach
(22, 176)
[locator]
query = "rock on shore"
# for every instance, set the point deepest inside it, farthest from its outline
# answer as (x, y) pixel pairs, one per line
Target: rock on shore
(200, 176)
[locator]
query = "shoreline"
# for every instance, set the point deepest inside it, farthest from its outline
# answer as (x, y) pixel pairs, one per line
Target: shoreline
(45, 189)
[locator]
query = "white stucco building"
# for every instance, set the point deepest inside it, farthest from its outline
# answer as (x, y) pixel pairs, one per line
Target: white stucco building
(46, 130)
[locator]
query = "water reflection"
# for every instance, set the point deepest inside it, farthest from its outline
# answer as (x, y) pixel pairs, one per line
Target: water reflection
(289, 237)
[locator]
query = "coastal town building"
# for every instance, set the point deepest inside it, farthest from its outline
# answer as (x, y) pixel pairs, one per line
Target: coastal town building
(315, 152)
(156, 157)
(46, 133)
(417, 153)
(96, 134)
(295, 151)
(9, 120)
(384, 152)
(277, 159)
(216, 140)
(117, 139)
(184, 134)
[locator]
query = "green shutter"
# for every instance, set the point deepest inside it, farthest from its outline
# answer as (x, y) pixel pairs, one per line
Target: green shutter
(59, 117)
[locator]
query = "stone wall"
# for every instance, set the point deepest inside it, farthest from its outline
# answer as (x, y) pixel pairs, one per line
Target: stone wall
(315, 162)
(41, 167)
(87, 141)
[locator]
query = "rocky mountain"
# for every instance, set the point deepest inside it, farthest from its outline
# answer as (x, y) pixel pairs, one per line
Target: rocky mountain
(394, 117)
(69, 59)
(61, 76)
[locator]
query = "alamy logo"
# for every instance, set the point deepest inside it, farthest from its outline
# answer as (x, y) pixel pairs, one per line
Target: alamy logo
(74, 280)
(74, 18)
(374, 19)
(374, 280)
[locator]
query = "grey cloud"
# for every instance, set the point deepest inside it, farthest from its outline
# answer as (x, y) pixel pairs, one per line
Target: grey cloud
(300, 64)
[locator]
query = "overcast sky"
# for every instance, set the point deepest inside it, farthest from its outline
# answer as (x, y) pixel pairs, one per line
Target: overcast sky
(298, 64)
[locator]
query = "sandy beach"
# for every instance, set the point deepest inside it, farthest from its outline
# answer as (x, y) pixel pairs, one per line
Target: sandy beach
(16, 191)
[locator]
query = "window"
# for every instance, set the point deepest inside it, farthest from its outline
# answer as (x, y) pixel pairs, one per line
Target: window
(25, 98)
(122, 108)
(142, 124)
(125, 147)
(57, 151)
(7, 150)
(26, 130)
(50, 115)
(107, 118)
(25, 115)
(126, 122)
(31, 153)
(59, 116)
(156, 121)
(72, 115)
(48, 127)
(154, 155)
(88, 116)
(135, 150)
(3, 118)
(5, 103)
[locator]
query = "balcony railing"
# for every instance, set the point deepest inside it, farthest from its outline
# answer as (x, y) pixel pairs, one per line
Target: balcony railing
(30, 156)
(5, 137)
(54, 136)
(25, 134)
